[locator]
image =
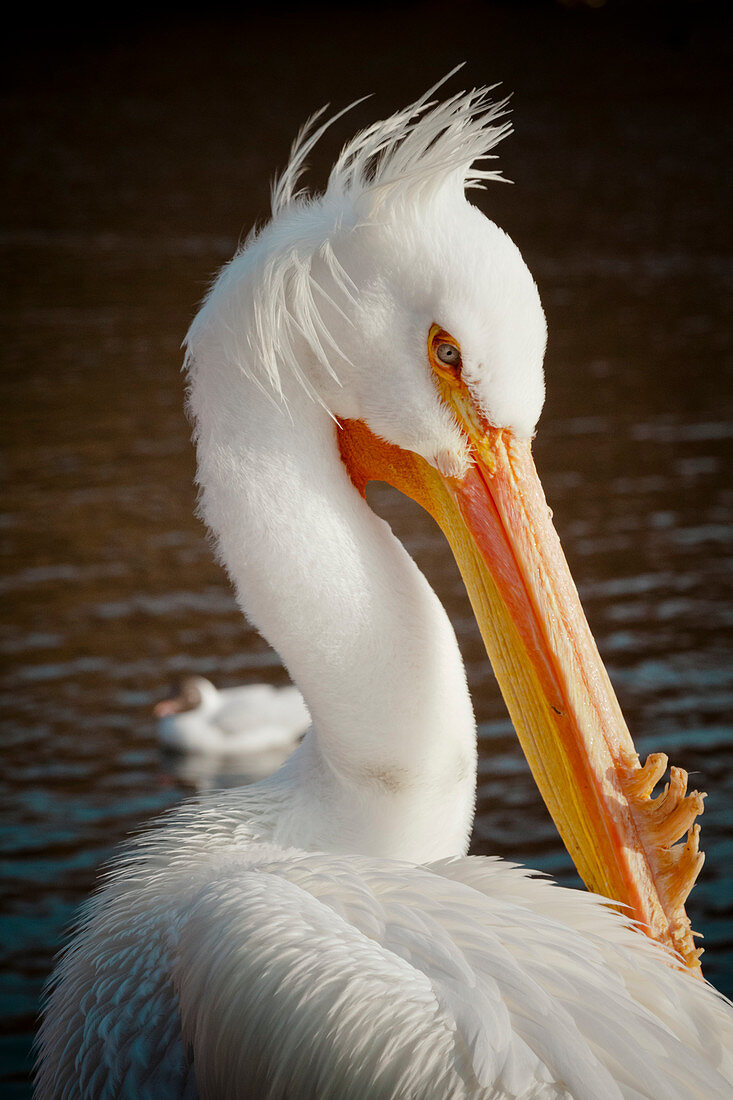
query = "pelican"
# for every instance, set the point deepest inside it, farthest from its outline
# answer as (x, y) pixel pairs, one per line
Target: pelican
(322, 933)
(252, 718)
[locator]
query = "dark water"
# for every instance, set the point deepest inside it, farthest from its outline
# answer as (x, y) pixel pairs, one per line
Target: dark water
(137, 155)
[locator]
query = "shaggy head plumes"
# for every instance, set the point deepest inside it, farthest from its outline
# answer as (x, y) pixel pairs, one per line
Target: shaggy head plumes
(418, 149)
(338, 291)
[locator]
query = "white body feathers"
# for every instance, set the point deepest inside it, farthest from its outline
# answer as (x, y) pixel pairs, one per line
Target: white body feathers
(277, 973)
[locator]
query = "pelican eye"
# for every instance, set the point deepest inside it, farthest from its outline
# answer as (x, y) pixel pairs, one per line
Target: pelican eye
(448, 354)
(444, 353)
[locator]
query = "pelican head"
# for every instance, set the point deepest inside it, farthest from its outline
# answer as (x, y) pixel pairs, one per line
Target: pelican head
(418, 260)
(393, 303)
(349, 283)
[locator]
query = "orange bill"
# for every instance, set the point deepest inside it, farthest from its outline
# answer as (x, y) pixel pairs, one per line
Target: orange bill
(554, 683)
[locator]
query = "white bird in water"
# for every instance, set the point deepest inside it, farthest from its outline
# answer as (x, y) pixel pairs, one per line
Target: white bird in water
(252, 718)
(322, 934)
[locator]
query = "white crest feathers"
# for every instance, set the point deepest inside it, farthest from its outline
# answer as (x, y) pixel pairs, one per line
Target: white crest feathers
(292, 262)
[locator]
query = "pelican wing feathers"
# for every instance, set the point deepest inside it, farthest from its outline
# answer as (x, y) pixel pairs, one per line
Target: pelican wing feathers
(466, 978)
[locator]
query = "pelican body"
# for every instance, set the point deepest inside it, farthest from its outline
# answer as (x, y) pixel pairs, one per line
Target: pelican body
(322, 933)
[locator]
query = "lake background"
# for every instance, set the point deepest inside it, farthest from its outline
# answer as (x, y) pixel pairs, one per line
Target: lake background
(138, 152)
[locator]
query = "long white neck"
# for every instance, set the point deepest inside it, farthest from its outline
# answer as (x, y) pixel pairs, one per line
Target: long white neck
(389, 766)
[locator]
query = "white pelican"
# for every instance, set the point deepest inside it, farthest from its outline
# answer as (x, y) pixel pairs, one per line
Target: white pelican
(322, 934)
(252, 718)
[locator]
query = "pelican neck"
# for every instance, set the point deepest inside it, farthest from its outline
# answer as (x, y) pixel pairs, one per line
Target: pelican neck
(355, 622)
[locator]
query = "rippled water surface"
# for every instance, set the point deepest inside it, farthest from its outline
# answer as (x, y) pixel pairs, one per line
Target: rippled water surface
(136, 161)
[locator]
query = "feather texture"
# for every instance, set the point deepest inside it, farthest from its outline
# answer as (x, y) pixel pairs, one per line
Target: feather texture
(467, 978)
